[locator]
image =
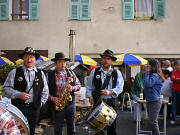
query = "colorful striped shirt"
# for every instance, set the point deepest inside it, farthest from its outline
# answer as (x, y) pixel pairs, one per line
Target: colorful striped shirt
(61, 79)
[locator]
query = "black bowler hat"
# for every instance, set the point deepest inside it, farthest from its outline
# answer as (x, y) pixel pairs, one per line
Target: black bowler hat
(60, 56)
(109, 53)
(29, 50)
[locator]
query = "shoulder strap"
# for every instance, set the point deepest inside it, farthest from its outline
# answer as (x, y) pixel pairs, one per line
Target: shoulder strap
(71, 75)
(114, 77)
(106, 81)
(37, 74)
(69, 72)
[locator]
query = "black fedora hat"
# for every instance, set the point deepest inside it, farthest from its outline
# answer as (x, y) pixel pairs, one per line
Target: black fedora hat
(60, 56)
(29, 50)
(109, 53)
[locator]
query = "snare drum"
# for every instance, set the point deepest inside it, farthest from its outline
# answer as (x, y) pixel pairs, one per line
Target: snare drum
(101, 117)
(21, 121)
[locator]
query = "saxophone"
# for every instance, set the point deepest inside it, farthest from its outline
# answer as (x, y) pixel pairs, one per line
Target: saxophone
(65, 96)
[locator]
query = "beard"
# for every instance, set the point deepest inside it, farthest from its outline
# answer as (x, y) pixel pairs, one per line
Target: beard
(106, 66)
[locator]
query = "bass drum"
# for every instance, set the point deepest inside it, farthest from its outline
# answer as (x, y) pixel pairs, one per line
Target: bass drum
(21, 121)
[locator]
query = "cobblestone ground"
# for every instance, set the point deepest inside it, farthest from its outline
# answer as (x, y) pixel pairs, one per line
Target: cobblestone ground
(125, 126)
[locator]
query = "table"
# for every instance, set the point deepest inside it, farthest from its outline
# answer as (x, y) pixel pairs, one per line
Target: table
(139, 131)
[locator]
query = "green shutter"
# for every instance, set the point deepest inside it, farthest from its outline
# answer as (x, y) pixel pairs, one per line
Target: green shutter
(85, 10)
(4, 10)
(74, 10)
(33, 9)
(128, 9)
(159, 9)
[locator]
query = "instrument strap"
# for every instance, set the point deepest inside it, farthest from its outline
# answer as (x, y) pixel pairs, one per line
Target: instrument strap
(33, 82)
(105, 84)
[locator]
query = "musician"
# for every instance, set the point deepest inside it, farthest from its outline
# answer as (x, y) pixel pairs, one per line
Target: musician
(27, 87)
(112, 88)
(57, 80)
(7, 123)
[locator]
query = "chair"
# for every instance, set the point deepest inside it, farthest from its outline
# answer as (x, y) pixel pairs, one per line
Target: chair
(128, 102)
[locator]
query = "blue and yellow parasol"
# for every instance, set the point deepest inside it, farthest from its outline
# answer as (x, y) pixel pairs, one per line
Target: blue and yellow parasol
(42, 58)
(19, 62)
(129, 60)
(85, 60)
(4, 60)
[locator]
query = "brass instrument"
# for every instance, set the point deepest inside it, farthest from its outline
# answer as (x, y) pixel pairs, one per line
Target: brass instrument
(65, 96)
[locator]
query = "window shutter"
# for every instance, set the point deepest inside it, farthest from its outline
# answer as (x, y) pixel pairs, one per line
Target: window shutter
(33, 9)
(74, 9)
(159, 11)
(4, 10)
(128, 9)
(85, 10)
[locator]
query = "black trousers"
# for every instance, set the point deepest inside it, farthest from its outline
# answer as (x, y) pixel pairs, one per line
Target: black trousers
(32, 116)
(69, 114)
(111, 130)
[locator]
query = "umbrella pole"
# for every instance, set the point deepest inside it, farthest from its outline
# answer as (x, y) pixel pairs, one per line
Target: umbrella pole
(125, 72)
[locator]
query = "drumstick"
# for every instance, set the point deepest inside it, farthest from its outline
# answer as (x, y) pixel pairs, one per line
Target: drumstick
(97, 103)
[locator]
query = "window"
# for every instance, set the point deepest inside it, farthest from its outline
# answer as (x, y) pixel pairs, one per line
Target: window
(143, 9)
(79, 10)
(19, 9)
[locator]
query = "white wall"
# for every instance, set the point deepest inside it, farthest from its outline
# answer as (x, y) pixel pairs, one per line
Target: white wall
(105, 30)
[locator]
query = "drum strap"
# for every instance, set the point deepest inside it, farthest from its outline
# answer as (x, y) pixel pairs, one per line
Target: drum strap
(30, 89)
(105, 84)
(33, 82)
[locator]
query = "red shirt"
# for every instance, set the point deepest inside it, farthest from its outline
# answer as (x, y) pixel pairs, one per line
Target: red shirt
(174, 75)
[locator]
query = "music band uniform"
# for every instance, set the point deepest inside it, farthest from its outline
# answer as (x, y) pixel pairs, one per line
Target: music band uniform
(57, 81)
(94, 86)
(27, 80)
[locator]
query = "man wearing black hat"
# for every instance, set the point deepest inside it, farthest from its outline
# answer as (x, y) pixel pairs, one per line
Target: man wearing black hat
(98, 86)
(58, 82)
(27, 87)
